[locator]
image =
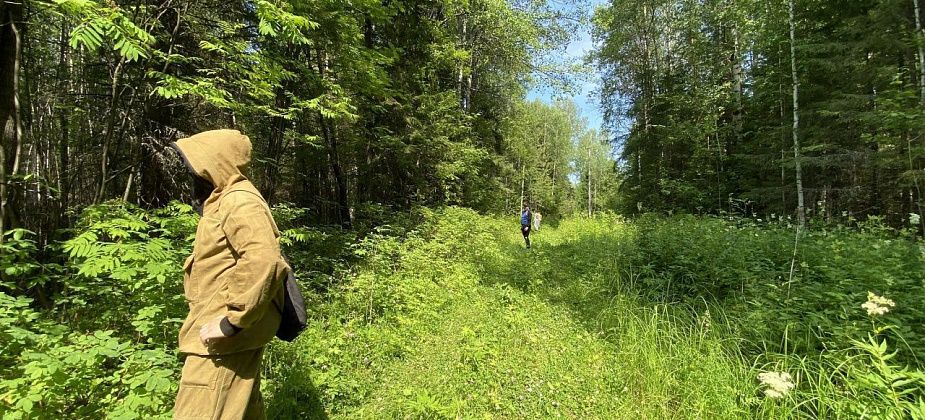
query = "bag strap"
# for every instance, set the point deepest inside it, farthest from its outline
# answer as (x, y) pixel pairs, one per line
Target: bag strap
(262, 200)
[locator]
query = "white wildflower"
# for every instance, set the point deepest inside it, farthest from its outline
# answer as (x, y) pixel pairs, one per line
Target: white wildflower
(914, 219)
(706, 320)
(778, 383)
(877, 305)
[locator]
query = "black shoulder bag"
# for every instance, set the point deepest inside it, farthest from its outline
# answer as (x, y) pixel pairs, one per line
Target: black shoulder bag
(293, 317)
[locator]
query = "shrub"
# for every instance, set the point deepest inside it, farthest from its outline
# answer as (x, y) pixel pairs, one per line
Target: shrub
(107, 347)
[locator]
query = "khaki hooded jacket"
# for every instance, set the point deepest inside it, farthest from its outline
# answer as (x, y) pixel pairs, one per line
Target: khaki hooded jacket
(236, 269)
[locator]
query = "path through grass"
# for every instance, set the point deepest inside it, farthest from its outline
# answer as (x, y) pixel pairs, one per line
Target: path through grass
(459, 320)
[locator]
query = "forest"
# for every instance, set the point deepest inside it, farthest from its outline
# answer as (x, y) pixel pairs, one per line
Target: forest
(742, 235)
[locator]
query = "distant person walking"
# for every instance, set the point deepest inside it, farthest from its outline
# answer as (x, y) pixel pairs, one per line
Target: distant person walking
(537, 219)
(233, 282)
(525, 217)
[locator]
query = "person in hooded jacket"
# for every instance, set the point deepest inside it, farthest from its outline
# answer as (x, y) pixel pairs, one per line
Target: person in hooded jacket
(233, 283)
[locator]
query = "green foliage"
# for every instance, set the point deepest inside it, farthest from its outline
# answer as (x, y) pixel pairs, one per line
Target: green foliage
(542, 140)
(16, 313)
(97, 24)
(455, 318)
(884, 389)
(442, 313)
(121, 251)
(702, 94)
(691, 256)
(348, 104)
(52, 373)
(172, 87)
(410, 339)
(755, 266)
(106, 347)
(17, 257)
(275, 21)
(596, 172)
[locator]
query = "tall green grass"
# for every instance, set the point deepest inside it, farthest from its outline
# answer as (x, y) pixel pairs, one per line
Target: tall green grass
(444, 314)
(603, 318)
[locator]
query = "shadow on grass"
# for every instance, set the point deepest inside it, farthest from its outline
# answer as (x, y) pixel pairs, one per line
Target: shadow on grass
(295, 397)
(581, 274)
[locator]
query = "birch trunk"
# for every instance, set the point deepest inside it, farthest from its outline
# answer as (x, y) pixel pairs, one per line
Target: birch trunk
(919, 39)
(523, 181)
(801, 212)
(919, 33)
(590, 205)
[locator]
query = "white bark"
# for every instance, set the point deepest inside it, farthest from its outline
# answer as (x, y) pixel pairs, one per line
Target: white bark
(590, 206)
(918, 42)
(801, 212)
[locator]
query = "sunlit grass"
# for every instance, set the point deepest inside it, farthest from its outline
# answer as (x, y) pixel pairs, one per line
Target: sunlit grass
(460, 321)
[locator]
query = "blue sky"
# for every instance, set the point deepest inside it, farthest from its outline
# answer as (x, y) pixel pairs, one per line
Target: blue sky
(585, 98)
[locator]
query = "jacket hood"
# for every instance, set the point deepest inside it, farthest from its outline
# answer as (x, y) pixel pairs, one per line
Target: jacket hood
(217, 156)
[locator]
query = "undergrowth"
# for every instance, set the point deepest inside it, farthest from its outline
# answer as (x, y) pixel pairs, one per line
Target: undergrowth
(444, 314)
(607, 318)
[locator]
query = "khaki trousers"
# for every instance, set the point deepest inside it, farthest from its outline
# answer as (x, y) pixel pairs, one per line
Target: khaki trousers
(222, 387)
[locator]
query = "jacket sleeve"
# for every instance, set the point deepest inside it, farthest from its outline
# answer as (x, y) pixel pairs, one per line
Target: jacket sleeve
(255, 279)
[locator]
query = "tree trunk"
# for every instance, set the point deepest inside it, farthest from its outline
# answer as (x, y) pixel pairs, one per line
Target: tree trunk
(920, 38)
(275, 148)
(801, 213)
(110, 130)
(63, 110)
(590, 206)
(340, 184)
(330, 137)
(523, 183)
(737, 87)
(783, 134)
(11, 14)
(128, 186)
(460, 77)
(918, 188)
(919, 33)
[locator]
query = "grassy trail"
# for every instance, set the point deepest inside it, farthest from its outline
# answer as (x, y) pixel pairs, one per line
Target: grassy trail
(467, 323)
(443, 314)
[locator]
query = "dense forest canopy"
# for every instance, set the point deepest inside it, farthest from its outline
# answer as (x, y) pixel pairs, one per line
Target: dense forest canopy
(346, 108)
(718, 106)
(733, 103)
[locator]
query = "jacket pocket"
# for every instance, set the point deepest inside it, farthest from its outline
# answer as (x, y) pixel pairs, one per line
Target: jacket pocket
(199, 372)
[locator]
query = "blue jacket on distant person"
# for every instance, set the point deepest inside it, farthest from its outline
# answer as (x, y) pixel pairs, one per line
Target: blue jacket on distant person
(525, 218)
